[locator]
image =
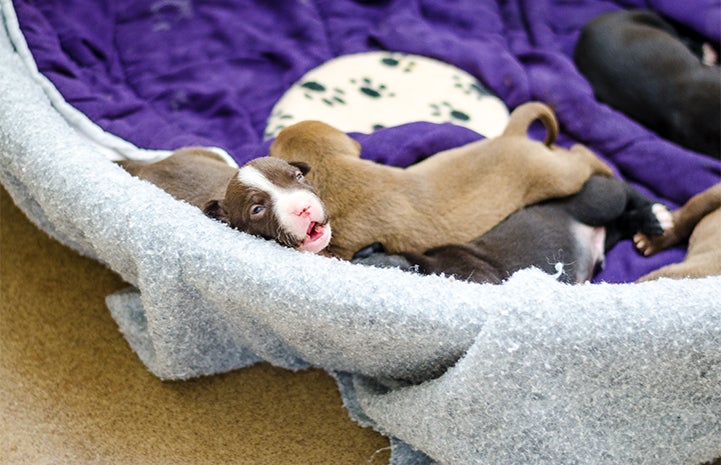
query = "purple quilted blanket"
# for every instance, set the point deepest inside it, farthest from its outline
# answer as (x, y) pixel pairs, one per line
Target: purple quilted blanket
(166, 73)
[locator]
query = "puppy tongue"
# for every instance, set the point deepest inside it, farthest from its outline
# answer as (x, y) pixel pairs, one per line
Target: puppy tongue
(317, 237)
(313, 231)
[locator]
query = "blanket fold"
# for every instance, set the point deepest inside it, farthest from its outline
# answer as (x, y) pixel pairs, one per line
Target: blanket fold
(536, 384)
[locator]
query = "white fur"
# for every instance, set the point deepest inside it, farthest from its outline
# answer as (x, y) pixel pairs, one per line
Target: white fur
(663, 215)
(294, 208)
(595, 237)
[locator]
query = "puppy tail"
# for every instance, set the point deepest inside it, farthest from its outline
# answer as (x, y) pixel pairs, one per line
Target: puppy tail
(522, 117)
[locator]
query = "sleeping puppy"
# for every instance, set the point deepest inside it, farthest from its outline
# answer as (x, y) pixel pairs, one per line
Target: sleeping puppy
(266, 197)
(453, 196)
(637, 63)
(566, 237)
(699, 221)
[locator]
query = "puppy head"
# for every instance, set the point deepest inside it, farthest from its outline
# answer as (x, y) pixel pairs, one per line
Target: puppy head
(271, 198)
(308, 139)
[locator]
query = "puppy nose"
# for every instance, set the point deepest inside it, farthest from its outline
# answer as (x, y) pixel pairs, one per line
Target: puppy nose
(303, 211)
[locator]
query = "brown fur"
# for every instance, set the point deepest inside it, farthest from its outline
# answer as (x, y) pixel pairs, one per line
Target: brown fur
(203, 179)
(192, 174)
(699, 221)
(451, 197)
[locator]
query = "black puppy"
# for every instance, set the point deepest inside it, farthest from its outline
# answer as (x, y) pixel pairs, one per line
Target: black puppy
(574, 231)
(637, 63)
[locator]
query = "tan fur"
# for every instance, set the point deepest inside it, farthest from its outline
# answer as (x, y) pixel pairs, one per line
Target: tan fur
(452, 197)
(699, 221)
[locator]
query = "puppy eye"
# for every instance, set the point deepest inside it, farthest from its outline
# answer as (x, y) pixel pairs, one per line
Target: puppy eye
(257, 209)
(298, 176)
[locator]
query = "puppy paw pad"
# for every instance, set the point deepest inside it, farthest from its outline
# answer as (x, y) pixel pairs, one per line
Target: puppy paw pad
(642, 244)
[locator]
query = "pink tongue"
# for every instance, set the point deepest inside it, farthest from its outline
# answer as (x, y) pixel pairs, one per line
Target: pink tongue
(312, 231)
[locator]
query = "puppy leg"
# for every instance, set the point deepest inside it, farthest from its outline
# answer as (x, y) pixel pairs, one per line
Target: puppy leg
(466, 262)
(644, 215)
(703, 257)
(641, 215)
(561, 173)
(684, 220)
(596, 165)
(674, 271)
(599, 202)
(616, 205)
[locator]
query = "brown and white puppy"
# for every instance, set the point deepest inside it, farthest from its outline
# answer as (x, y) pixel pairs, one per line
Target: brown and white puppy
(565, 237)
(637, 63)
(453, 196)
(699, 221)
(266, 197)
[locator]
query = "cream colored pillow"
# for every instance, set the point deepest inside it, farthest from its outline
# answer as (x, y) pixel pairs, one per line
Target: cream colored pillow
(366, 91)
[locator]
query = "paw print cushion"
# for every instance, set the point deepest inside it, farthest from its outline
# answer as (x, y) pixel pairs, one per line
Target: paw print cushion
(363, 92)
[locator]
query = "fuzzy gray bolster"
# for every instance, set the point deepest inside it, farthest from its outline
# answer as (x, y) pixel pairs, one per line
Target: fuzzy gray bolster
(531, 371)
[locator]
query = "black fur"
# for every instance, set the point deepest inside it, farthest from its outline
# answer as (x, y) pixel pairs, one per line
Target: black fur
(639, 64)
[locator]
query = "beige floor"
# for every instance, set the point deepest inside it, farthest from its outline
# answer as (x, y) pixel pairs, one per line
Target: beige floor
(72, 391)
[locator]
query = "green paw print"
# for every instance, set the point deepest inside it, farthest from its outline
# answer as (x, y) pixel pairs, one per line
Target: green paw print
(453, 114)
(468, 88)
(366, 87)
(331, 97)
(399, 62)
(283, 119)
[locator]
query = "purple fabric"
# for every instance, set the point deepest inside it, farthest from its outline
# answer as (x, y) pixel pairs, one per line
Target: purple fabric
(167, 73)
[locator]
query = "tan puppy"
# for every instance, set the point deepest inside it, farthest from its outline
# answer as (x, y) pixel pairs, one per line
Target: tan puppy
(266, 197)
(452, 197)
(699, 218)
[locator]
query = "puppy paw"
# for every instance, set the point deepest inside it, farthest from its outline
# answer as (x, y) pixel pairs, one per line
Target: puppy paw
(656, 231)
(663, 216)
(651, 220)
(648, 243)
(644, 245)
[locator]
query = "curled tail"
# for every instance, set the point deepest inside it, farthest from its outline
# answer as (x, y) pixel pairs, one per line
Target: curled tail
(522, 117)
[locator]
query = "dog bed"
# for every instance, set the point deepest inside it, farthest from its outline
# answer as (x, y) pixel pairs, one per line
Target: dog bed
(530, 371)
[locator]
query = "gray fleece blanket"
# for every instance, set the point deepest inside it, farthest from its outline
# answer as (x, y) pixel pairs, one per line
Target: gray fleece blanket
(531, 371)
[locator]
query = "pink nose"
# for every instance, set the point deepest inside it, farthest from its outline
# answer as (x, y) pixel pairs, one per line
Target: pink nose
(304, 211)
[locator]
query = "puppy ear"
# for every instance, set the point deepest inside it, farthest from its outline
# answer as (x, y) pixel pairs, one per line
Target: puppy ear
(214, 209)
(303, 167)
